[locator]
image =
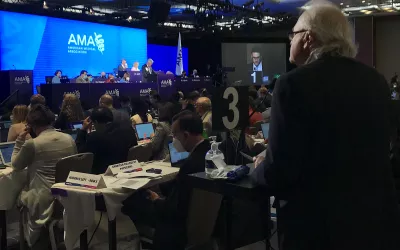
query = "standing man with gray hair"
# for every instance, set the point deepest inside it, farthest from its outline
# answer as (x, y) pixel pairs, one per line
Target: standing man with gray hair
(148, 74)
(328, 153)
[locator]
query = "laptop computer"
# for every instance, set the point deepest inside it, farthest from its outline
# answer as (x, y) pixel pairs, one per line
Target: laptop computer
(177, 158)
(6, 150)
(265, 130)
(144, 131)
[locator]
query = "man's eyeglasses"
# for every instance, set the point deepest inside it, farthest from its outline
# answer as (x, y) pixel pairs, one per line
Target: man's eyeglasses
(291, 34)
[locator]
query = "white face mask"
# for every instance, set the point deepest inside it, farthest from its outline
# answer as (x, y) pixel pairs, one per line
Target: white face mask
(178, 145)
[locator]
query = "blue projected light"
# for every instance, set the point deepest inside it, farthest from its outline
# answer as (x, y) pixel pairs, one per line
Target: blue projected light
(45, 44)
(165, 57)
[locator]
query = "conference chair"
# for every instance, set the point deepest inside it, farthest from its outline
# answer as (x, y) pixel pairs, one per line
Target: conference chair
(78, 163)
(202, 216)
(141, 153)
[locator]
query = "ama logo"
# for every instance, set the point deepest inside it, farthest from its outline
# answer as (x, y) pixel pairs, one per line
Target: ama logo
(145, 92)
(166, 83)
(113, 92)
(81, 44)
(22, 79)
(75, 92)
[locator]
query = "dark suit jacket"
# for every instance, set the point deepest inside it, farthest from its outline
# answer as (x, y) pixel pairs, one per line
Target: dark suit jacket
(120, 68)
(175, 206)
(328, 157)
(395, 145)
(146, 74)
(121, 117)
(109, 147)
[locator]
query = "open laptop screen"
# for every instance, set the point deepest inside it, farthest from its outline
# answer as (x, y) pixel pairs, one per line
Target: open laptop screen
(265, 130)
(175, 155)
(6, 150)
(144, 130)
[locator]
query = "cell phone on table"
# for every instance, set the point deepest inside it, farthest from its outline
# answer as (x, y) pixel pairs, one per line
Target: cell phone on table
(2, 166)
(248, 157)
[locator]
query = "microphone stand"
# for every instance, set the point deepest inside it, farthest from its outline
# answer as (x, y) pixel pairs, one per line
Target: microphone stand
(9, 97)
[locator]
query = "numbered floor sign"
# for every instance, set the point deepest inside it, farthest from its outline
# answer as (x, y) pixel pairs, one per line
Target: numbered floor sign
(230, 108)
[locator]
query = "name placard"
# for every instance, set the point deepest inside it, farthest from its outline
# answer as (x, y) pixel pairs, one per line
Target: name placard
(122, 167)
(84, 180)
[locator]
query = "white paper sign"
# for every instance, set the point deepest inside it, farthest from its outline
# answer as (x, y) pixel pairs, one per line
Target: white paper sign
(129, 183)
(84, 180)
(122, 167)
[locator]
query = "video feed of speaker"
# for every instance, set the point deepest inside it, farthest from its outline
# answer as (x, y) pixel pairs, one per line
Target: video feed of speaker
(253, 63)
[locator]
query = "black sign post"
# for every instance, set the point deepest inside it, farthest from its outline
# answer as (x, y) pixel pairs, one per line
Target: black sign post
(230, 108)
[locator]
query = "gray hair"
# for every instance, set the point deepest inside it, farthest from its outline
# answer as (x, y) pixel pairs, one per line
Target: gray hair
(150, 60)
(331, 29)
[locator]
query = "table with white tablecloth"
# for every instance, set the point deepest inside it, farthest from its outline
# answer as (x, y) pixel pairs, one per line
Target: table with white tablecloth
(11, 184)
(80, 203)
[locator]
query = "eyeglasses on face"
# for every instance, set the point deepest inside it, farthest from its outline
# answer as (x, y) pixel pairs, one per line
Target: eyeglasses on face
(291, 34)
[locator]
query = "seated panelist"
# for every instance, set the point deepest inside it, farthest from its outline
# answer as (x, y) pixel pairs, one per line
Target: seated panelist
(83, 78)
(135, 66)
(57, 77)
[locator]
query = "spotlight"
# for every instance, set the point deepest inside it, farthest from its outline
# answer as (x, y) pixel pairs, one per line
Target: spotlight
(248, 3)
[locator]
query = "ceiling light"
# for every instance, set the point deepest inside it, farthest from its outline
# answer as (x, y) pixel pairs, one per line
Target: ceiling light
(363, 1)
(341, 3)
(222, 17)
(221, 28)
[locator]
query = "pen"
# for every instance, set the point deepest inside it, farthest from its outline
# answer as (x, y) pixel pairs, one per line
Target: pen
(134, 170)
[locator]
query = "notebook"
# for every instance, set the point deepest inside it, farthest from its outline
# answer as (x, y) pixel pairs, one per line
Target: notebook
(144, 131)
(6, 150)
(175, 156)
(265, 130)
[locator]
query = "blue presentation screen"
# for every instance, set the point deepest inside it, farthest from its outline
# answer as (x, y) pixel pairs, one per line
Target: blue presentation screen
(46, 44)
(165, 57)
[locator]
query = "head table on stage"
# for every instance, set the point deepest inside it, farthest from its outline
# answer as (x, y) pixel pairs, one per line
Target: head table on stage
(90, 93)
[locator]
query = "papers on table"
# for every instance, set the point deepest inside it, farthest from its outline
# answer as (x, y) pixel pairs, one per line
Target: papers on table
(140, 174)
(135, 183)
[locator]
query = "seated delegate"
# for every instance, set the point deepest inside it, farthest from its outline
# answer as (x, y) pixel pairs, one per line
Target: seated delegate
(18, 118)
(40, 155)
(71, 111)
(140, 110)
(110, 143)
(159, 142)
(168, 214)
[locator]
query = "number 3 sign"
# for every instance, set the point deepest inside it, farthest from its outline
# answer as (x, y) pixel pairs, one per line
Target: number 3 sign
(230, 108)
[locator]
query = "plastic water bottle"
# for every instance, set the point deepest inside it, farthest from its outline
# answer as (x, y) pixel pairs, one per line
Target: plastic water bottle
(212, 155)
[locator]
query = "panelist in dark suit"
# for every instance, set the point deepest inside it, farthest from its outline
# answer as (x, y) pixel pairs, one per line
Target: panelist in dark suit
(328, 150)
(148, 74)
(110, 143)
(123, 66)
(168, 215)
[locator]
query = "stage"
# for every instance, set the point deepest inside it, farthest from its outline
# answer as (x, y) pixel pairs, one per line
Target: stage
(89, 94)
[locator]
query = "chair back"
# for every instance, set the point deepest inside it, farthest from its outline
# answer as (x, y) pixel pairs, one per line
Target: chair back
(79, 163)
(202, 216)
(141, 153)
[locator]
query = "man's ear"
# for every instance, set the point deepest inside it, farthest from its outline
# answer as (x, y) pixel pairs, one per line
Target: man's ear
(308, 40)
